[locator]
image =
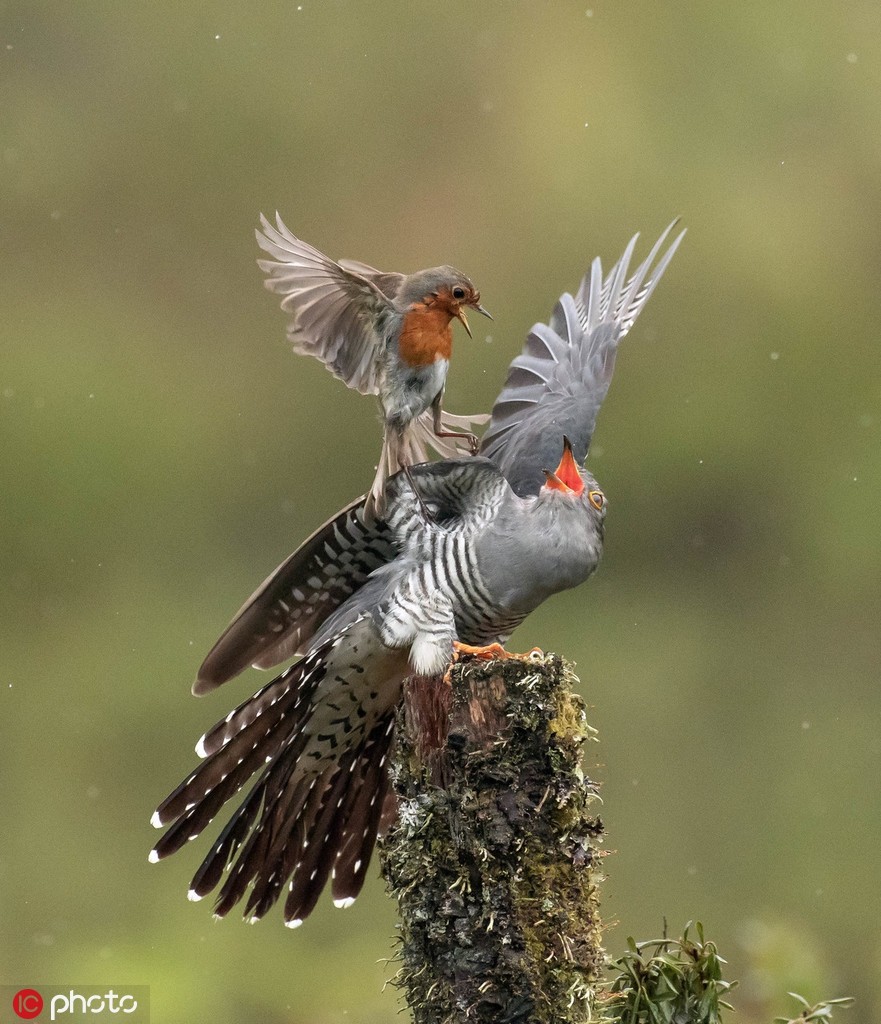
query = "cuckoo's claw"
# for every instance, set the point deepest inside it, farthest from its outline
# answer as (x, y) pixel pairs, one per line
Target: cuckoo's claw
(492, 652)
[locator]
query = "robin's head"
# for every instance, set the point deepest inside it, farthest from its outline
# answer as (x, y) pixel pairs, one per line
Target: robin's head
(571, 481)
(442, 288)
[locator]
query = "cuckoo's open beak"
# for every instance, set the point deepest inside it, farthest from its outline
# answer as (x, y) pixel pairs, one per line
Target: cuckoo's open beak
(566, 476)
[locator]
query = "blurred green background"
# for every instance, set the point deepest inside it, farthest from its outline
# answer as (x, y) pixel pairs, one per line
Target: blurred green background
(162, 449)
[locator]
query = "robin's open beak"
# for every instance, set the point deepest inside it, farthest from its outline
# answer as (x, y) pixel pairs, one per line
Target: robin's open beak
(460, 314)
(566, 476)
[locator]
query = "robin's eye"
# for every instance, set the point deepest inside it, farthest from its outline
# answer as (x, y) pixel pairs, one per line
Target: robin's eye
(597, 499)
(458, 293)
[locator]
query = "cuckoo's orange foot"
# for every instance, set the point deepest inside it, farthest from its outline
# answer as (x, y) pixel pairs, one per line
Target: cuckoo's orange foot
(493, 652)
(489, 653)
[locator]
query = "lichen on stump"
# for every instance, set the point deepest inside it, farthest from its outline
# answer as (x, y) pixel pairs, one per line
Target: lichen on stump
(493, 859)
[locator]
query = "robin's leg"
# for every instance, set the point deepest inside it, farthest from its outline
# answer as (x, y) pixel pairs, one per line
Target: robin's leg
(472, 439)
(437, 409)
(426, 511)
(397, 454)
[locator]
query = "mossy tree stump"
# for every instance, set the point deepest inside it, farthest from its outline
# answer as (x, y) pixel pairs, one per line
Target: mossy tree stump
(493, 859)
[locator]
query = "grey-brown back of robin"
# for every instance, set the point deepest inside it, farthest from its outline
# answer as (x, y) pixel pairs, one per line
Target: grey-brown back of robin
(381, 333)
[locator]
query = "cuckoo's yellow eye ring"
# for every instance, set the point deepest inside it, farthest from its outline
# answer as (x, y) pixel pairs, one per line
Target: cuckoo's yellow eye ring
(597, 499)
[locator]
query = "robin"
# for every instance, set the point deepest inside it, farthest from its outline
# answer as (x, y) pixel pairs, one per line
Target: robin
(382, 334)
(367, 604)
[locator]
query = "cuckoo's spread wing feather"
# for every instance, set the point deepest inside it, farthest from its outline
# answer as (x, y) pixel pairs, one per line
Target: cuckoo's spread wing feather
(557, 384)
(288, 608)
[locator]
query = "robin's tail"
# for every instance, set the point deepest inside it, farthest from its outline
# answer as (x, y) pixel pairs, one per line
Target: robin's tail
(390, 461)
(299, 825)
(425, 439)
(413, 446)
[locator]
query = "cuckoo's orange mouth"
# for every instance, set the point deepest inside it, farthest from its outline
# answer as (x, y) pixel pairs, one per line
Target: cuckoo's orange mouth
(566, 476)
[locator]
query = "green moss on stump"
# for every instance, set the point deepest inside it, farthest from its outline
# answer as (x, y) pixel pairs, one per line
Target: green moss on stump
(493, 859)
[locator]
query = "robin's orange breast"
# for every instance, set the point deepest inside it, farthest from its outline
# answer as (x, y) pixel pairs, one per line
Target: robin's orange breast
(426, 335)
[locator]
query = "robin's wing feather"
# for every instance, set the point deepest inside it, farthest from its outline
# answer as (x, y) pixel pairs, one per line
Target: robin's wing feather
(286, 610)
(334, 309)
(388, 283)
(557, 384)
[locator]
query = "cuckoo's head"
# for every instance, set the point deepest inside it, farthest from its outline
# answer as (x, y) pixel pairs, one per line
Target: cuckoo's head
(571, 483)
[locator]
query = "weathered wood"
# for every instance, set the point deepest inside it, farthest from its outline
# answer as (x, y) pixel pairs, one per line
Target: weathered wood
(493, 859)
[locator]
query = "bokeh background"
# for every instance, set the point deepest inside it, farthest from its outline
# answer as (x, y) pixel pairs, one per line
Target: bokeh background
(162, 449)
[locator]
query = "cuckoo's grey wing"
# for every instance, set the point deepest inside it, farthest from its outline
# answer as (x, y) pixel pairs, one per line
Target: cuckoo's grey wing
(287, 609)
(557, 384)
(335, 310)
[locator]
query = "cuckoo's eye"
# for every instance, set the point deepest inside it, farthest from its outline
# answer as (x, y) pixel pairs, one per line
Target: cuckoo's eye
(458, 293)
(597, 499)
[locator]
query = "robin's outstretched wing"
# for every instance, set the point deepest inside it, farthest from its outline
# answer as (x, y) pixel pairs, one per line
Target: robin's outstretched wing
(335, 308)
(558, 383)
(388, 283)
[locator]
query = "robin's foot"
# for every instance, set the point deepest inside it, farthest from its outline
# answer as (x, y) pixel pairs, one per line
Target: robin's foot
(472, 440)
